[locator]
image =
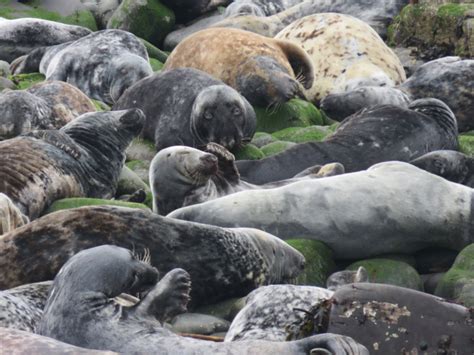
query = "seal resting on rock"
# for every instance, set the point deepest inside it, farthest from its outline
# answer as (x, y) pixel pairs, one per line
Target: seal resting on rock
(10, 216)
(47, 105)
(189, 107)
(223, 263)
(82, 159)
(78, 309)
(381, 133)
(102, 65)
(266, 71)
(395, 202)
(182, 176)
(20, 36)
(346, 53)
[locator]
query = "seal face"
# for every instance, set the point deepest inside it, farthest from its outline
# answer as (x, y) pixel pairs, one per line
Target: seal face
(263, 70)
(346, 53)
(102, 65)
(189, 107)
(84, 158)
(381, 133)
(450, 80)
(398, 214)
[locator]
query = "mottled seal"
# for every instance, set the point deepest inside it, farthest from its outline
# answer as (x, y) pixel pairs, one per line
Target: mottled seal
(182, 176)
(102, 65)
(346, 53)
(47, 105)
(258, 7)
(189, 107)
(375, 135)
(406, 207)
(19, 37)
(84, 158)
(10, 216)
(449, 164)
(344, 277)
(78, 309)
(264, 70)
(450, 80)
(223, 263)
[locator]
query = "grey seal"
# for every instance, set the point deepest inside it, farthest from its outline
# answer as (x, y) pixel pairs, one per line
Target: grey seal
(223, 263)
(21, 36)
(82, 159)
(258, 7)
(10, 216)
(189, 107)
(102, 65)
(406, 207)
(344, 277)
(374, 135)
(183, 176)
(78, 309)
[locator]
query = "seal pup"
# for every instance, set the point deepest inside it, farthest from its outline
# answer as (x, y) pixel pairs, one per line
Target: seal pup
(449, 164)
(223, 263)
(189, 107)
(20, 36)
(406, 207)
(182, 176)
(346, 54)
(265, 71)
(10, 216)
(47, 105)
(82, 159)
(102, 65)
(78, 309)
(450, 80)
(378, 134)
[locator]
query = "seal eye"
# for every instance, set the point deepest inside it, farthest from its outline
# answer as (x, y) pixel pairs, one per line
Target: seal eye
(208, 115)
(236, 111)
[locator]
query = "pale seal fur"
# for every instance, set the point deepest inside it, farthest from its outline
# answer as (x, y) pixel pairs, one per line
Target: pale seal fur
(394, 202)
(10, 216)
(346, 53)
(345, 277)
(263, 70)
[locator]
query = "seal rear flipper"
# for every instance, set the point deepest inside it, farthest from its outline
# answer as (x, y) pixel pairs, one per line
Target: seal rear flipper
(300, 62)
(29, 63)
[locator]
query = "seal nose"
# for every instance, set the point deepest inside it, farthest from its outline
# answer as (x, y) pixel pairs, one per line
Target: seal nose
(133, 117)
(209, 163)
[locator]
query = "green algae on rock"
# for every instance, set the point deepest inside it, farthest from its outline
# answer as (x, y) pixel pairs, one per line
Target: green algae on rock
(248, 152)
(24, 81)
(68, 203)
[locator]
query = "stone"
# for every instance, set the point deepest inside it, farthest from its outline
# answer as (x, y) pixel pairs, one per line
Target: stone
(4, 69)
(248, 152)
(195, 323)
(303, 134)
(431, 281)
(433, 260)
(141, 149)
(276, 147)
(140, 168)
(227, 309)
(262, 138)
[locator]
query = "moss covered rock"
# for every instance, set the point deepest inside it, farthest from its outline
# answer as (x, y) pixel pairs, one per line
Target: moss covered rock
(294, 113)
(24, 81)
(262, 138)
(147, 19)
(458, 283)
(276, 147)
(129, 182)
(435, 29)
(140, 168)
(155, 64)
(303, 134)
(319, 261)
(154, 52)
(141, 149)
(248, 152)
(466, 144)
(68, 203)
(391, 272)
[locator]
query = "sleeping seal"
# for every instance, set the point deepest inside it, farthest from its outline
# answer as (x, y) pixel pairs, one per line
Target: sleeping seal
(78, 309)
(378, 134)
(82, 159)
(394, 202)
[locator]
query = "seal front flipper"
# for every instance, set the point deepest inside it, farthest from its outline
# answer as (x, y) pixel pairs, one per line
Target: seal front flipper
(168, 298)
(226, 162)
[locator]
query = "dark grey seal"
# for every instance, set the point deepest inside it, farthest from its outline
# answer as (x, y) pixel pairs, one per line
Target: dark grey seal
(223, 263)
(187, 10)
(189, 107)
(183, 176)
(450, 80)
(102, 65)
(449, 164)
(79, 310)
(19, 37)
(382, 133)
(82, 159)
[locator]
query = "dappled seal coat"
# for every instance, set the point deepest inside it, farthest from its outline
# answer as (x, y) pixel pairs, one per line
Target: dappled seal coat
(82, 159)
(10, 216)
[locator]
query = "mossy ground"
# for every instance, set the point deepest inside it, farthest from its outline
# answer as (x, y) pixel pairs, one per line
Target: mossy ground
(304, 134)
(68, 203)
(466, 144)
(276, 147)
(248, 152)
(24, 81)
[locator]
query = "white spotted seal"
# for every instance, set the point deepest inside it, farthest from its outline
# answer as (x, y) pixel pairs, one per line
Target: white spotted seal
(189, 107)
(10, 216)
(265, 71)
(102, 65)
(20, 36)
(78, 309)
(378, 134)
(182, 176)
(346, 53)
(47, 105)
(223, 263)
(84, 158)
(406, 207)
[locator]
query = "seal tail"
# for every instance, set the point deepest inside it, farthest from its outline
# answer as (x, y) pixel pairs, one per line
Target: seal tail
(300, 62)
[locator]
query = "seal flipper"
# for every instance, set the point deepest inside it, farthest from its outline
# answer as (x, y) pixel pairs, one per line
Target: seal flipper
(300, 62)
(226, 162)
(319, 171)
(58, 139)
(168, 298)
